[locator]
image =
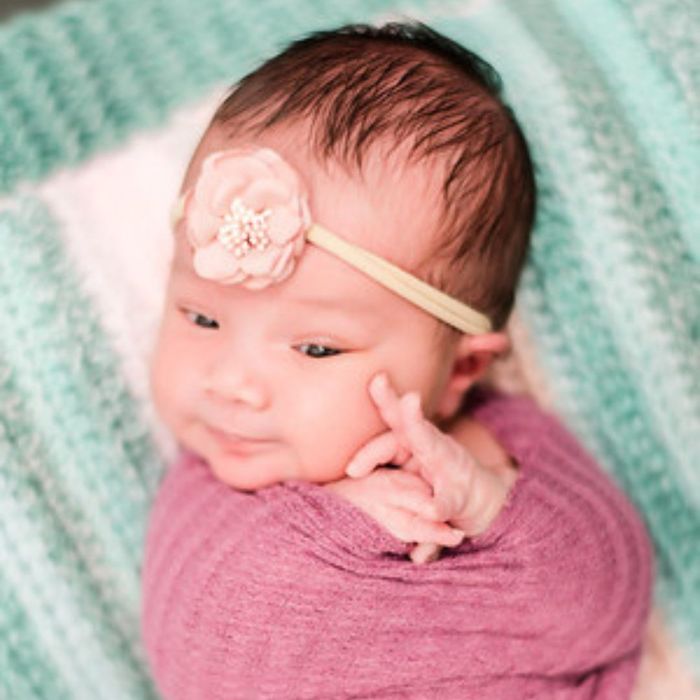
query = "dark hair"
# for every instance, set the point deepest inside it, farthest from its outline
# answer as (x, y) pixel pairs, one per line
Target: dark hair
(407, 82)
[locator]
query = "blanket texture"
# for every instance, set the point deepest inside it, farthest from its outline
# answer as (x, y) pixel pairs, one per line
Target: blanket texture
(291, 592)
(94, 105)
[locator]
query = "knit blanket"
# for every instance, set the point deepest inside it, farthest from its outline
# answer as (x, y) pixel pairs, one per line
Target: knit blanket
(292, 592)
(100, 105)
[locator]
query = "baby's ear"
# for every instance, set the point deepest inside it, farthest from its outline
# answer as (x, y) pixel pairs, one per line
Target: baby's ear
(473, 356)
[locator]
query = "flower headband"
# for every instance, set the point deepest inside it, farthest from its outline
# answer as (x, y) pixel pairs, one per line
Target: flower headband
(247, 219)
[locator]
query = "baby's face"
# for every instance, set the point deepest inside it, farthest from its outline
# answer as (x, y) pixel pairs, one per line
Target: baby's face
(271, 385)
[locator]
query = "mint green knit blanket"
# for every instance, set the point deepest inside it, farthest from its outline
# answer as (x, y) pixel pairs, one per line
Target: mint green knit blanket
(608, 92)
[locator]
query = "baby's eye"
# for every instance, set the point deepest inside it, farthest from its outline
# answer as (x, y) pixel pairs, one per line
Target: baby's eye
(201, 320)
(316, 350)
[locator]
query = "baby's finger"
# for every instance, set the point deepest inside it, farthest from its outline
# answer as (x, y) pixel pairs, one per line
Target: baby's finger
(440, 460)
(421, 437)
(411, 409)
(421, 434)
(448, 498)
(386, 400)
(442, 499)
(410, 527)
(413, 465)
(425, 552)
(439, 452)
(380, 450)
(412, 494)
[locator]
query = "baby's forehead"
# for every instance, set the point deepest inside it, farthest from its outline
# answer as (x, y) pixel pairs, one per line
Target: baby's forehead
(322, 288)
(388, 203)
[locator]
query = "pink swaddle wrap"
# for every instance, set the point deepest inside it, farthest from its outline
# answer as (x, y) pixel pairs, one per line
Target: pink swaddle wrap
(291, 592)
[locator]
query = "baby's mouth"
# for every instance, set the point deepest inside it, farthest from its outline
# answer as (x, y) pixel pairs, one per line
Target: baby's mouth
(240, 444)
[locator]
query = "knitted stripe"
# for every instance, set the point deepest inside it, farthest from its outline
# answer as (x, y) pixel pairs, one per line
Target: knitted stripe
(86, 74)
(640, 403)
(78, 474)
(664, 130)
(611, 291)
(23, 672)
(630, 234)
(671, 29)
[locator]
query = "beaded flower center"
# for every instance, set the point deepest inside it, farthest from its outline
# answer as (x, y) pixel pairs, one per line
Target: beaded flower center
(244, 229)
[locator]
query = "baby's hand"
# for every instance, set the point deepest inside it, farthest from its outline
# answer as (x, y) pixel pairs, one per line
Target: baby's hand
(464, 493)
(402, 503)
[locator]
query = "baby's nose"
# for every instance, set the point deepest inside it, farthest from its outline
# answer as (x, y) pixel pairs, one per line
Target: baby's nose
(231, 381)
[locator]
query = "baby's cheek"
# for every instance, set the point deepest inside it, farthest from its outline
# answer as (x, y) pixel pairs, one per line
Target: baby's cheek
(335, 433)
(166, 379)
(159, 393)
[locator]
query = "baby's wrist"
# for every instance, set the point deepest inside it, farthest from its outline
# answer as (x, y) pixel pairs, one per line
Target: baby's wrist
(490, 491)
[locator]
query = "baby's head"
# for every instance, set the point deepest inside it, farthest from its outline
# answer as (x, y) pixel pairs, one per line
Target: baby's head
(397, 141)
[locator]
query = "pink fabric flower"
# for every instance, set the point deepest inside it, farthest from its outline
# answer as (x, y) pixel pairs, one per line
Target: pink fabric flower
(246, 218)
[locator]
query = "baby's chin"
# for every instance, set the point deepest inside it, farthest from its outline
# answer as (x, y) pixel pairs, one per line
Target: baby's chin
(260, 471)
(247, 474)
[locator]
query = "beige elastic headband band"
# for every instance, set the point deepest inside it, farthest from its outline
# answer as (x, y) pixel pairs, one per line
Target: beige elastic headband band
(427, 297)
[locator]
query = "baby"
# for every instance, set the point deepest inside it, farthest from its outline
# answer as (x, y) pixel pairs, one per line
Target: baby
(348, 240)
